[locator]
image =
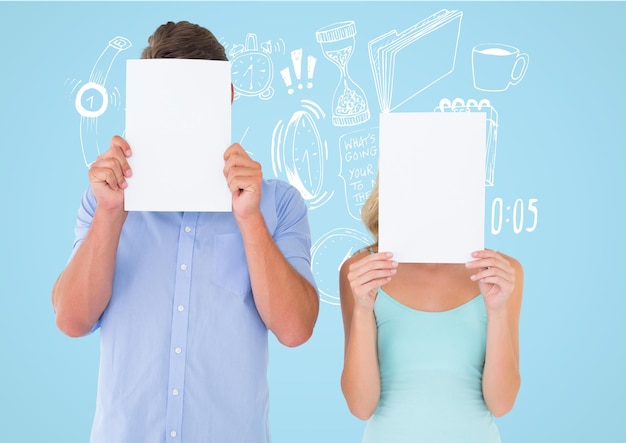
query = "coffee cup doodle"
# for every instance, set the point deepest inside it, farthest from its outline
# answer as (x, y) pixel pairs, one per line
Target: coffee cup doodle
(496, 66)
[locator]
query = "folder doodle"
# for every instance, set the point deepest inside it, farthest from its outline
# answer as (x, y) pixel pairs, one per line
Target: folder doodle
(406, 63)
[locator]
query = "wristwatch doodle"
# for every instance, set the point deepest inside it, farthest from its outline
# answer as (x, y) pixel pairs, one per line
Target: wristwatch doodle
(92, 99)
(328, 254)
(252, 71)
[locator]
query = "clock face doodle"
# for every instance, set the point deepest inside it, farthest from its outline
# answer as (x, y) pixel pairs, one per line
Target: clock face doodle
(328, 254)
(305, 157)
(300, 153)
(252, 71)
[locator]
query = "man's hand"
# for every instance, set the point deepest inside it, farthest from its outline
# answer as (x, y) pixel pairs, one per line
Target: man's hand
(108, 174)
(244, 177)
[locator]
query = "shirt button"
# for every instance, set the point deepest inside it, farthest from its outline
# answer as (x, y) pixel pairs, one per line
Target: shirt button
(178, 350)
(173, 434)
(187, 229)
(181, 308)
(175, 392)
(183, 267)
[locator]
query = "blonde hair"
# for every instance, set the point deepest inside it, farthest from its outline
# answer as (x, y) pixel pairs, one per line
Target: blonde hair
(369, 212)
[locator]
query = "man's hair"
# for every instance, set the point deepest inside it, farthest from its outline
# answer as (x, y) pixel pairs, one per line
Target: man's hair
(184, 40)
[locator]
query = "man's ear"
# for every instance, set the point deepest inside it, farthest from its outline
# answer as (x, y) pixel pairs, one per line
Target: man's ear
(232, 93)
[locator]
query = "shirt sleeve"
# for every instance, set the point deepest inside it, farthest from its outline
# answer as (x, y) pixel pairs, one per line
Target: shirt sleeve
(293, 233)
(83, 219)
(83, 223)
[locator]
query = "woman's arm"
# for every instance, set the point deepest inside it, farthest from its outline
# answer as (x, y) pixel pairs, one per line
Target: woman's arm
(501, 283)
(359, 280)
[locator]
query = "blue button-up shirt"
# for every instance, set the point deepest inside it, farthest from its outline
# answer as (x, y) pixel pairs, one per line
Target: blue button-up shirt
(184, 352)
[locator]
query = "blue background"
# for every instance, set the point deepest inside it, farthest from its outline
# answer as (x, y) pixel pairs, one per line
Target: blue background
(560, 141)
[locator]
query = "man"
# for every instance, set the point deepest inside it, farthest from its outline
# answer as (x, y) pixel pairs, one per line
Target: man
(184, 300)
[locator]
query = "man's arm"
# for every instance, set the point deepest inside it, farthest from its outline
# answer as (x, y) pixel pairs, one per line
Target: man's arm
(286, 301)
(83, 290)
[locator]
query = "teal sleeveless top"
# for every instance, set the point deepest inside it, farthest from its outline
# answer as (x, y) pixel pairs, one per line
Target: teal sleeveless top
(431, 367)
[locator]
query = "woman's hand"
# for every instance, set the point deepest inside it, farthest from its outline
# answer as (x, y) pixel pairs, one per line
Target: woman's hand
(500, 279)
(367, 275)
(495, 277)
(359, 279)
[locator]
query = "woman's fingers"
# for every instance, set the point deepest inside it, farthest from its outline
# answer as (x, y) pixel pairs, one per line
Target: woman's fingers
(371, 272)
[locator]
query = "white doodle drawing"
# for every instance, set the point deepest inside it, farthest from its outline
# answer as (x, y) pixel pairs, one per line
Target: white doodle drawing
(406, 63)
(484, 105)
(358, 167)
(496, 66)
(300, 154)
(296, 65)
(243, 142)
(349, 105)
(252, 69)
(328, 254)
(269, 47)
(93, 99)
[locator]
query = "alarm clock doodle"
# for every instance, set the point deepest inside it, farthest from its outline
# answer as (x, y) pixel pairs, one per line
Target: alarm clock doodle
(252, 70)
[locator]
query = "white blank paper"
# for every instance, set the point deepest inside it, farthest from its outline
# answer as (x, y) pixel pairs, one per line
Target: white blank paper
(178, 124)
(432, 185)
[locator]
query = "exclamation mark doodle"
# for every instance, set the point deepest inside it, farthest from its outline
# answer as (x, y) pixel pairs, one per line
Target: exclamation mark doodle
(310, 69)
(287, 79)
(296, 61)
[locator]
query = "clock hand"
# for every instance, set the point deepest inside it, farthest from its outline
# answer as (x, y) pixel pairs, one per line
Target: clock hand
(307, 161)
(347, 256)
(251, 71)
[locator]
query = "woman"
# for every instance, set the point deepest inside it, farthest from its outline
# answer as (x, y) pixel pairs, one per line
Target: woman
(431, 350)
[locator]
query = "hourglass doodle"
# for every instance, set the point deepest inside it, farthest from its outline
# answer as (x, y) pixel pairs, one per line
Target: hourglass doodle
(349, 102)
